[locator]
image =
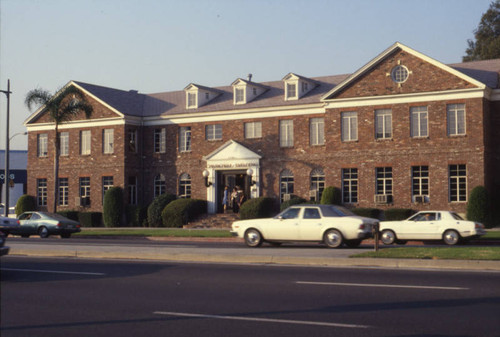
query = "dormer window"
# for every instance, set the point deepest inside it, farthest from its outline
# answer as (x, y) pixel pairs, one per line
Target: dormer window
(297, 86)
(191, 100)
(291, 91)
(197, 95)
(239, 95)
(245, 91)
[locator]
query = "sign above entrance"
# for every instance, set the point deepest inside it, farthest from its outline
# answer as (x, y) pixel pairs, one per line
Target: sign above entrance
(232, 165)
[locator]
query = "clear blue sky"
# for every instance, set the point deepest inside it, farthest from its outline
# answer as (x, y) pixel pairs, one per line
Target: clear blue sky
(155, 46)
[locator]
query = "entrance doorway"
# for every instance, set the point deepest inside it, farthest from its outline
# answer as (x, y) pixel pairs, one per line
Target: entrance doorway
(231, 179)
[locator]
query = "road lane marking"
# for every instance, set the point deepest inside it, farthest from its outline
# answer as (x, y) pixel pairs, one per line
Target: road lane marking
(265, 320)
(53, 271)
(380, 285)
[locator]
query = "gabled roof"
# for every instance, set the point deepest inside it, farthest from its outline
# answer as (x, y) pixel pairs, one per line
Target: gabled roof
(386, 53)
(232, 150)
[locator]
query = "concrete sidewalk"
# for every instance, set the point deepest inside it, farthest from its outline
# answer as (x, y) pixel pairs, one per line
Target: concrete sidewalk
(284, 256)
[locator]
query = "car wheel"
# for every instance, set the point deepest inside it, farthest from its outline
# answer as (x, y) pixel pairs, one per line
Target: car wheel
(451, 237)
(43, 232)
(353, 243)
(388, 237)
(253, 238)
(66, 235)
(333, 238)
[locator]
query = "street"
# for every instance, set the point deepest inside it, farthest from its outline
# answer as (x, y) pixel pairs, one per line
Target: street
(80, 297)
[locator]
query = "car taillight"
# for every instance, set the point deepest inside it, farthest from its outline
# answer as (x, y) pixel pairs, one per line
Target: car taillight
(78, 226)
(479, 225)
(18, 222)
(59, 224)
(362, 226)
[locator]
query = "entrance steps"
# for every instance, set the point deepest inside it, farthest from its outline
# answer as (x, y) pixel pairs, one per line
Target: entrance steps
(215, 221)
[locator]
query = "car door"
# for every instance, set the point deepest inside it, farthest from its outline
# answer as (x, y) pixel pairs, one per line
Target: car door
(284, 227)
(310, 226)
(28, 223)
(424, 226)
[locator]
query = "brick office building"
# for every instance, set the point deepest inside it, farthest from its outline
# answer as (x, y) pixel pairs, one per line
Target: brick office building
(403, 131)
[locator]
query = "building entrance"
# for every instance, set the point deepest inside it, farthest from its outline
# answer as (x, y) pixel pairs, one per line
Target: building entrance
(231, 179)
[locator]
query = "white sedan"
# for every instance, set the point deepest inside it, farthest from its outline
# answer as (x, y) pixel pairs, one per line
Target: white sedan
(328, 224)
(430, 225)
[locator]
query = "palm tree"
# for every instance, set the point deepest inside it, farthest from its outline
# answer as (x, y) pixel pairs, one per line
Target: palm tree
(61, 107)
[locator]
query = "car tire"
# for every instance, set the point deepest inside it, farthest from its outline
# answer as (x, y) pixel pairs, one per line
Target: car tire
(66, 235)
(387, 237)
(451, 237)
(43, 232)
(253, 238)
(353, 243)
(333, 238)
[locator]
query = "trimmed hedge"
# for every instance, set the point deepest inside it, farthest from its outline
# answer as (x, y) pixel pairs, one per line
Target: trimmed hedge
(136, 215)
(262, 207)
(331, 196)
(294, 200)
(179, 212)
(394, 214)
(72, 215)
(373, 213)
(156, 208)
(90, 219)
(478, 206)
(25, 203)
(112, 209)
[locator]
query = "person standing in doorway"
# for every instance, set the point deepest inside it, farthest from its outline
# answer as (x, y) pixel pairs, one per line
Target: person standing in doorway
(225, 199)
(234, 200)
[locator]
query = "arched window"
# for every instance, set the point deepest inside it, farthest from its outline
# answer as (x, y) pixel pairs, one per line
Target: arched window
(317, 184)
(160, 185)
(185, 186)
(286, 185)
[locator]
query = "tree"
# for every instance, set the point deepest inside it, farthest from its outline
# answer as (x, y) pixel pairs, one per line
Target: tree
(61, 107)
(487, 36)
(112, 209)
(477, 207)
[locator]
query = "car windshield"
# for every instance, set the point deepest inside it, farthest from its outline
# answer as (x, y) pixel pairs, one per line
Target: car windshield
(456, 216)
(336, 211)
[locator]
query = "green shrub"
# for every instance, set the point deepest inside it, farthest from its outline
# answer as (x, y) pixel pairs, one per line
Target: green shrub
(73, 215)
(331, 196)
(262, 207)
(394, 214)
(112, 209)
(478, 206)
(179, 212)
(156, 207)
(25, 203)
(136, 215)
(294, 200)
(90, 219)
(373, 213)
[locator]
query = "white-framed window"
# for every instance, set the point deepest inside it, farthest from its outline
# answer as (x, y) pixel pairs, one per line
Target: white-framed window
(41, 191)
(383, 124)
(64, 143)
(384, 180)
(85, 191)
(350, 185)
(286, 133)
(291, 90)
(400, 74)
(317, 131)
(191, 100)
(286, 184)
(458, 183)
(317, 183)
(420, 180)
(132, 140)
(132, 190)
(85, 138)
(107, 183)
(63, 184)
(253, 130)
(239, 95)
(349, 126)
(42, 146)
(185, 139)
(419, 121)
(108, 140)
(213, 132)
(160, 140)
(160, 185)
(455, 119)
(185, 186)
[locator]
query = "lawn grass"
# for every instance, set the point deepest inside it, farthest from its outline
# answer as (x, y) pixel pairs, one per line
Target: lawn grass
(436, 253)
(158, 232)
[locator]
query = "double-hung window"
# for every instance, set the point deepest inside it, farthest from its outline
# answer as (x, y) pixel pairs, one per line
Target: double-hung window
(420, 180)
(42, 145)
(383, 124)
(160, 140)
(286, 133)
(185, 139)
(384, 180)
(458, 183)
(108, 141)
(419, 121)
(350, 185)
(107, 183)
(239, 95)
(84, 191)
(41, 193)
(85, 138)
(185, 186)
(317, 131)
(160, 185)
(349, 126)
(253, 130)
(63, 191)
(191, 100)
(132, 190)
(64, 143)
(456, 119)
(291, 90)
(213, 132)
(286, 185)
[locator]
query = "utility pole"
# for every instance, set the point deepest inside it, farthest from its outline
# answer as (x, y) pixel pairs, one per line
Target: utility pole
(7, 150)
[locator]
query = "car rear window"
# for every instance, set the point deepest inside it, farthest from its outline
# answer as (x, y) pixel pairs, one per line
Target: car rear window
(336, 211)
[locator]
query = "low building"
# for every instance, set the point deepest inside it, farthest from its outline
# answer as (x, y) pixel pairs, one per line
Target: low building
(402, 131)
(17, 182)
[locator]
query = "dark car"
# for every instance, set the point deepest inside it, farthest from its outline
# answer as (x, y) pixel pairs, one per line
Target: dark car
(4, 250)
(45, 224)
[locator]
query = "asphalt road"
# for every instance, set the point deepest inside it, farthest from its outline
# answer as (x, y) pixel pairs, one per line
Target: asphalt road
(78, 297)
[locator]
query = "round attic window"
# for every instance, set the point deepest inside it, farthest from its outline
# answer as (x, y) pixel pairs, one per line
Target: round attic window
(400, 74)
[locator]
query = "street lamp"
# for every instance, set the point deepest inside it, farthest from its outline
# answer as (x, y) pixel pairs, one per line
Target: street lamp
(7, 139)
